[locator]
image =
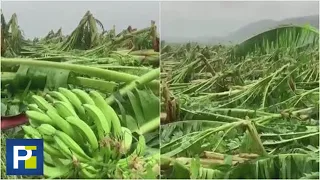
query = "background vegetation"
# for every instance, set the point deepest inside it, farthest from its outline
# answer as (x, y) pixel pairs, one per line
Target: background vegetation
(244, 111)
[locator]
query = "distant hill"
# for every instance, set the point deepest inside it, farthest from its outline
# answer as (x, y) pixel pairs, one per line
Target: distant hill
(250, 30)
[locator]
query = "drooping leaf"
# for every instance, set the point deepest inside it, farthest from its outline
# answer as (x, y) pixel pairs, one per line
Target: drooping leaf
(280, 37)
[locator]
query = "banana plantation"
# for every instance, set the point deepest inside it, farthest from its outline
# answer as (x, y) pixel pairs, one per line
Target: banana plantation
(92, 96)
(245, 111)
(121, 105)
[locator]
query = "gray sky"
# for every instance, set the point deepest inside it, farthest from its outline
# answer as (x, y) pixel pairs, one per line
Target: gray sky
(38, 18)
(194, 19)
(181, 19)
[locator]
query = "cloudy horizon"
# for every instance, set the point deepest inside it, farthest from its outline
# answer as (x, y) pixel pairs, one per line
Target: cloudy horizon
(220, 18)
(37, 18)
(178, 19)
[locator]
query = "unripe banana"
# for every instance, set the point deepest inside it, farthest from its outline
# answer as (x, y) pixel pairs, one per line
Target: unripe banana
(99, 119)
(39, 117)
(83, 96)
(42, 103)
(33, 123)
(85, 130)
(141, 146)
(63, 161)
(46, 129)
(89, 167)
(47, 159)
(48, 147)
(35, 107)
(108, 112)
(57, 171)
(65, 150)
(47, 138)
(52, 160)
(26, 136)
(49, 98)
(63, 124)
(74, 100)
(127, 139)
(64, 110)
(59, 96)
(84, 173)
(33, 132)
(72, 144)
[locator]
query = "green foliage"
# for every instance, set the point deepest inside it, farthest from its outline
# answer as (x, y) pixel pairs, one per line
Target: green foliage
(256, 104)
(284, 37)
(136, 114)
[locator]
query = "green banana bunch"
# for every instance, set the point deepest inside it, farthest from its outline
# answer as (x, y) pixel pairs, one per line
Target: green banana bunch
(82, 134)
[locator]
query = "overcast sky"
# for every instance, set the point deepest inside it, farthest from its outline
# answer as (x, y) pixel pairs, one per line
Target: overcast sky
(38, 18)
(182, 19)
(194, 19)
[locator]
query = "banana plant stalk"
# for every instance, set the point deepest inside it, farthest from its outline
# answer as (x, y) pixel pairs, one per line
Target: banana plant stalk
(144, 79)
(149, 126)
(91, 71)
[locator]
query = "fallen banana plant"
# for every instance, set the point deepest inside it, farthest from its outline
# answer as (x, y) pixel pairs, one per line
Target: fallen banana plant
(91, 71)
(256, 98)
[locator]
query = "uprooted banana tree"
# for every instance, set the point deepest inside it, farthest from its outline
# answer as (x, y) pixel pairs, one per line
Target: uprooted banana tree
(11, 36)
(248, 111)
(86, 35)
(54, 37)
